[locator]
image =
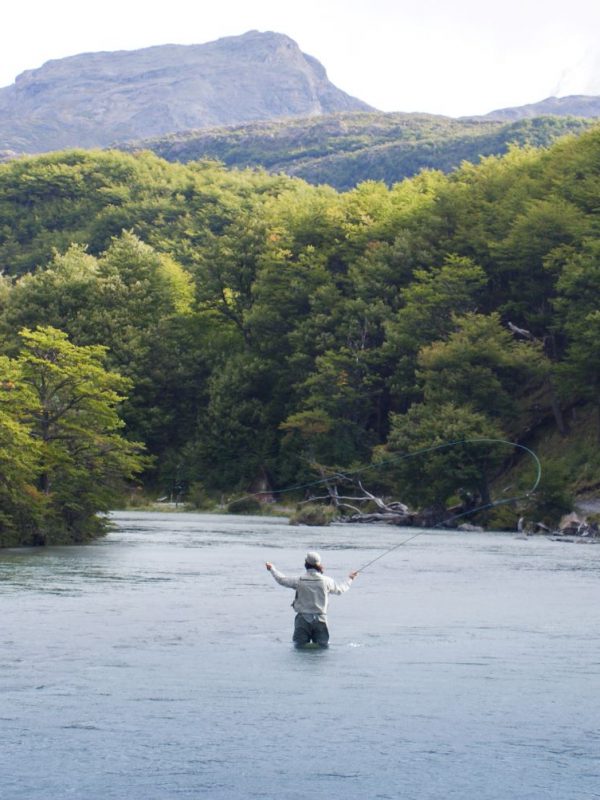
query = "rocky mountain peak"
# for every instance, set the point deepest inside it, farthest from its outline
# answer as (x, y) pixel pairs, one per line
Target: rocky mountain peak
(95, 99)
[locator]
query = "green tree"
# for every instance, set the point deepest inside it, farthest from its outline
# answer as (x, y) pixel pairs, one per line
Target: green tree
(21, 504)
(342, 389)
(138, 304)
(427, 467)
(578, 320)
(428, 306)
(73, 418)
(523, 276)
(236, 434)
(483, 366)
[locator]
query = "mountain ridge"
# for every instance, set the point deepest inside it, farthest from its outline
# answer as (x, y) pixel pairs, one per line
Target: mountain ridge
(345, 149)
(95, 99)
(575, 105)
(253, 100)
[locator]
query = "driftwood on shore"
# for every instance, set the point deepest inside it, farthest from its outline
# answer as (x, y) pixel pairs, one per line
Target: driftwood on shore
(385, 517)
(389, 512)
(347, 493)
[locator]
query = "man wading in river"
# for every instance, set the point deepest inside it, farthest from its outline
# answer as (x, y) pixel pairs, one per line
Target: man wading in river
(312, 596)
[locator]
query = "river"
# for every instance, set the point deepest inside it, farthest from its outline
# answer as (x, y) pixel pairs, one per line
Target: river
(156, 663)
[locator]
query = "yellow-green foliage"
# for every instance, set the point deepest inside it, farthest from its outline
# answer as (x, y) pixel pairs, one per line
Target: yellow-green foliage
(274, 330)
(63, 455)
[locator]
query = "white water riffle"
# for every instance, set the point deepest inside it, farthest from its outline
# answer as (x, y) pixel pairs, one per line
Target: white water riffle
(157, 664)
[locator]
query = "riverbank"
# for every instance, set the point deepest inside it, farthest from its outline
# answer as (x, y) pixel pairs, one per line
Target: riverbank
(583, 521)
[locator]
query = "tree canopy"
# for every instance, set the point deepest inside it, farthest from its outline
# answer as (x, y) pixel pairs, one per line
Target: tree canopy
(242, 323)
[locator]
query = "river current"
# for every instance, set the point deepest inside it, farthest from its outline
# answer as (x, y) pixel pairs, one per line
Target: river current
(157, 663)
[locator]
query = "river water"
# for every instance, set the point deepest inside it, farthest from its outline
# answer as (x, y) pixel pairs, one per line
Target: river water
(157, 664)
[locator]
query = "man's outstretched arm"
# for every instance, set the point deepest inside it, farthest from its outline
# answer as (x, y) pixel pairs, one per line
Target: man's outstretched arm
(291, 583)
(340, 588)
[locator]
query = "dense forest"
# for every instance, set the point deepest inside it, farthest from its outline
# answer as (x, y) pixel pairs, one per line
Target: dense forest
(343, 150)
(199, 327)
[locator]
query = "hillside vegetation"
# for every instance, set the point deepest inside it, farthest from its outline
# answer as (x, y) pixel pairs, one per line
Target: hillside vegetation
(343, 150)
(258, 325)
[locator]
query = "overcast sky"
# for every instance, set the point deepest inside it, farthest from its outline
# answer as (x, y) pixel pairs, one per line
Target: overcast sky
(454, 57)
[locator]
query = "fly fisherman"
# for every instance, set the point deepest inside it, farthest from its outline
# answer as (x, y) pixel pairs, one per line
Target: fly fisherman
(312, 596)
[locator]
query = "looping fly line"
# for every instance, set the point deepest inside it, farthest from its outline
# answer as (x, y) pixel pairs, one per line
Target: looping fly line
(414, 454)
(483, 507)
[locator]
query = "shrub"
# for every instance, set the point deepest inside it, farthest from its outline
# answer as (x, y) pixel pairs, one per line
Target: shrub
(198, 497)
(502, 518)
(245, 505)
(313, 515)
(552, 498)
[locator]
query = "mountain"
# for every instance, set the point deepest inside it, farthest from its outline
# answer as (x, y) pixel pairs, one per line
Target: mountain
(345, 149)
(254, 100)
(94, 99)
(573, 106)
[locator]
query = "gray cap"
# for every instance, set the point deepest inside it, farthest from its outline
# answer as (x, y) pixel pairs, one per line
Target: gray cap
(313, 558)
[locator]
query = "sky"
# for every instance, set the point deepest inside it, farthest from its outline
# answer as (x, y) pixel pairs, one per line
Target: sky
(453, 57)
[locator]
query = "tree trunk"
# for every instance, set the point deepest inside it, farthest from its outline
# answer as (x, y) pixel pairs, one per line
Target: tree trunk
(562, 426)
